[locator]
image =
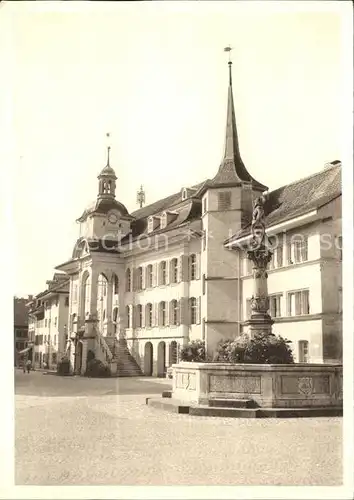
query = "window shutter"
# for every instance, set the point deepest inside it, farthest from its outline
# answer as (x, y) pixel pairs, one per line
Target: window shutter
(154, 274)
(185, 268)
(180, 267)
(198, 310)
(197, 266)
(305, 302)
(183, 310)
(167, 309)
(168, 268)
(297, 303)
(155, 314)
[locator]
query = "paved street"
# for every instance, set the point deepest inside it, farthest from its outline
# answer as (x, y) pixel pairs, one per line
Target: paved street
(78, 431)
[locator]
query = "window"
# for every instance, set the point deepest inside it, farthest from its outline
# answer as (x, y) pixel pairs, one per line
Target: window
(224, 200)
(140, 278)
(193, 267)
(129, 319)
(49, 322)
(163, 220)
(204, 205)
(174, 312)
(303, 351)
(139, 314)
(128, 281)
(298, 251)
(148, 315)
(204, 238)
(298, 303)
(115, 317)
(279, 256)
(275, 305)
(115, 285)
(174, 270)
(66, 301)
(184, 194)
(163, 314)
(193, 310)
(163, 273)
(150, 224)
(149, 276)
(203, 284)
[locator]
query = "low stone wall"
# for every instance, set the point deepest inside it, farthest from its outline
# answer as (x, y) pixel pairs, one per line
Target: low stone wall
(268, 386)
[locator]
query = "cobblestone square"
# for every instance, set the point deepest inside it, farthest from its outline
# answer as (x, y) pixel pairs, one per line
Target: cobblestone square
(78, 431)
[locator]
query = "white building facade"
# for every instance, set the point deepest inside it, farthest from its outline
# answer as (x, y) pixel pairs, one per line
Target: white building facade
(48, 313)
(146, 283)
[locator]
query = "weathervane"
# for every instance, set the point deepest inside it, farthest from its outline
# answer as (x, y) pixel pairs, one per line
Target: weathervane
(228, 49)
(108, 135)
(140, 197)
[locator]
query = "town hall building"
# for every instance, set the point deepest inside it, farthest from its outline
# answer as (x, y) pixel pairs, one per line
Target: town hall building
(143, 284)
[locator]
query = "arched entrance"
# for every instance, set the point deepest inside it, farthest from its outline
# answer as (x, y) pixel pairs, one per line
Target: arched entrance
(161, 359)
(173, 353)
(148, 359)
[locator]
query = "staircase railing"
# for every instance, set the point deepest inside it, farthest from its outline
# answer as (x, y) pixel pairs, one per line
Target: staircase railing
(103, 345)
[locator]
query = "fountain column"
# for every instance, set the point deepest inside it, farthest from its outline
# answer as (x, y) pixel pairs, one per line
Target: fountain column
(260, 255)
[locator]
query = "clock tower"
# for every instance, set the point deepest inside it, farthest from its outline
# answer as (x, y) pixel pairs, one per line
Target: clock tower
(106, 218)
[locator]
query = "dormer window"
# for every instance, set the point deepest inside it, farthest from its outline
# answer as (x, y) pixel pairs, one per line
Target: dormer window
(163, 220)
(167, 217)
(184, 194)
(153, 223)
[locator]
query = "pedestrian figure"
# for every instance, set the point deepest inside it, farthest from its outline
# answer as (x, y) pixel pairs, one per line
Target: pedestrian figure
(28, 365)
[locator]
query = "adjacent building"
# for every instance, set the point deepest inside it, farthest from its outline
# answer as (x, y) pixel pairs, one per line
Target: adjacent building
(22, 336)
(48, 319)
(176, 270)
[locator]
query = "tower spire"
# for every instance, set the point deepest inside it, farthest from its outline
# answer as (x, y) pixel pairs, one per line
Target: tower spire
(107, 178)
(108, 149)
(232, 169)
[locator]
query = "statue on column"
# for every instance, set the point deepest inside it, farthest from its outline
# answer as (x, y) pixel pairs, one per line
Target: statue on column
(258, 222)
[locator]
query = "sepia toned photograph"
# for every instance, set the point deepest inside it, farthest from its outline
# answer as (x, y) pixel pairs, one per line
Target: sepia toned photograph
(180, 176)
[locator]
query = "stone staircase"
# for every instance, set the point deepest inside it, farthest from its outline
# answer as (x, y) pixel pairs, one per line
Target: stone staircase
(126, 364)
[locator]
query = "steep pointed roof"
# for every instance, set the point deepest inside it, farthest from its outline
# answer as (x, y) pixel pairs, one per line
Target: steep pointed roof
(232, 169)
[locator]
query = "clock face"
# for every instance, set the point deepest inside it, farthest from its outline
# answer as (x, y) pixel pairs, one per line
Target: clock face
(112, 218)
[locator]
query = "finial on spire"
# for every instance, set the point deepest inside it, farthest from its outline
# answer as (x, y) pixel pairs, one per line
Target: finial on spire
(140, 197)
(229, 49)
(108, 135)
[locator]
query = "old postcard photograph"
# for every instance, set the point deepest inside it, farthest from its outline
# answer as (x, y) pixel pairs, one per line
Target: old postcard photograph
(177, 204)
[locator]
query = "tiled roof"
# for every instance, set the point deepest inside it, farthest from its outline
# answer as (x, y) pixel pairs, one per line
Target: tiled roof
(299, 197)
(163, 204)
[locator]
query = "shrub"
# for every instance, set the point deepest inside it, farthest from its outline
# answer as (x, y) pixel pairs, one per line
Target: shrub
(232, 351)
(263, 348)
(96, 368)
(193, 351)
(268, 348)
(63, 367)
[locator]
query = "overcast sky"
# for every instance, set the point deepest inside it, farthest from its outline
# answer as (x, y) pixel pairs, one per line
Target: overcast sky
(154, 75)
